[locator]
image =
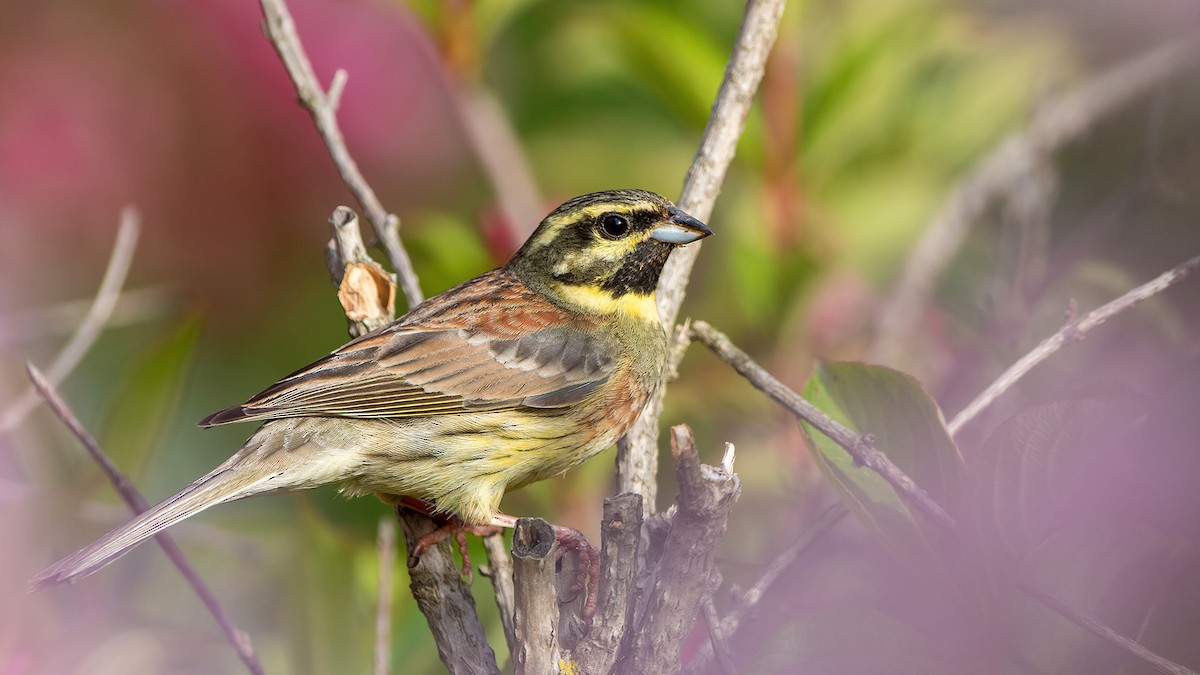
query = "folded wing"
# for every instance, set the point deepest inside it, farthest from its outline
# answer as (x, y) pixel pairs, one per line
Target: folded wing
(495, 345)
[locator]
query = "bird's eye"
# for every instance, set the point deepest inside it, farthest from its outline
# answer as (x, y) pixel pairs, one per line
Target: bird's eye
(613, 225)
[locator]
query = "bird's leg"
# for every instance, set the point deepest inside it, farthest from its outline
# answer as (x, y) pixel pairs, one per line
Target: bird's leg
(448, 525)
(451, 525)
(589, 559)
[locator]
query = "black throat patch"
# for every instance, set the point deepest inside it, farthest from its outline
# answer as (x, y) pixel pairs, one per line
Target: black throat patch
(639, 272)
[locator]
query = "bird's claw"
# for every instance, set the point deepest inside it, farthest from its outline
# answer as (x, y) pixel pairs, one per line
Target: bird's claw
(452, 526)
(589, 567)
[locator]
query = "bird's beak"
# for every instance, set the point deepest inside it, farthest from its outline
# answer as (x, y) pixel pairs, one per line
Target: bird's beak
(680, 229)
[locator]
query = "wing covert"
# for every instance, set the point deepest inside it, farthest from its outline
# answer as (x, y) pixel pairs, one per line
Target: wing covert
(463, 350)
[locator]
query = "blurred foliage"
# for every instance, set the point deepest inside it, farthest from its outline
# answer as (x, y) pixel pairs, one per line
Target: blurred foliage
(900, 416)
(869, 113)
(1058, 503)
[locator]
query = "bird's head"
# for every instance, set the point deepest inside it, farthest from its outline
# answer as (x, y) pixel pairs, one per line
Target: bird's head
(603, 252)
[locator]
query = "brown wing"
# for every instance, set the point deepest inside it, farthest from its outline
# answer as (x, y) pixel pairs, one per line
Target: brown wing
(488, 344)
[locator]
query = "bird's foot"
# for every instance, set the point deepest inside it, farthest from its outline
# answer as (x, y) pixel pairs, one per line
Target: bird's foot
(589, 567)
(450, 525)
(589, 561)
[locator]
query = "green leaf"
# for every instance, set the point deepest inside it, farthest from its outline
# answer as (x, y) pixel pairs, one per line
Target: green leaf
(146, 401)
(907, 427)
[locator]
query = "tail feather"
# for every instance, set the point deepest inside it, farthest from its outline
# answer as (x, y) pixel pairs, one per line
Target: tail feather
(222, 485)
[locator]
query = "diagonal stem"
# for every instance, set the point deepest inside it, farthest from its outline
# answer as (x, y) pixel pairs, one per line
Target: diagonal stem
(137, 503)
(1072, 332)
(637, 452)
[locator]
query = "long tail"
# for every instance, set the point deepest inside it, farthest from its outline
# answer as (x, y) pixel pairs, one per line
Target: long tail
(224, 484)
(282, 455)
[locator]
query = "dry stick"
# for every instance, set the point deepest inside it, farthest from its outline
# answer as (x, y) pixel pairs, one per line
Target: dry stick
(446, 602)
(93, 322)
(716, 641)
(385, 545)
(637, 455)
(536, 618)
(570, 599)
(801, 408)
(322, 107)
(620, 541)
(686, 573)
(133, 306)
(453, 631)
(860, 447)
(486, 128)
(500, 571)
(436, 585)
(491, 137)
(1073, 331)
(1060, 121)
(1105, 633)
(137, 504)
(750, 599)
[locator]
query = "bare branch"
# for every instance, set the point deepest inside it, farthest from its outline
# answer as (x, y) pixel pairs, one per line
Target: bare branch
(495, 144)
(749, 600)
(637, 452)
(536, 618)
(322, 107)
(500, 571)
(858, 446)
(93, 322)
(1073, 331)
(716, 641)
(686, 573)
(620, 541)
(441, 594)
(1055, 124)
(137, 504)
(446, 601)
(385, 545)
(1105, 633)
(133, 306)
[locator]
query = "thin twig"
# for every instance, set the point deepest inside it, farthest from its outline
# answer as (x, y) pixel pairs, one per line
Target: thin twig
(440, 593)
(491, 137)
(385, 545)
(1073, 331)
(133, 306)
(137, 503)
(748, 601)
(1054, 124)
(1105, 633)
(93, 322)
(500, 571)
(322, 107)
(716, 641)
(637, 455)
(860, 447)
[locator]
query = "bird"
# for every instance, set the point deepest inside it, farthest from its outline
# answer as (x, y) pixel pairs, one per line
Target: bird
(512, 377)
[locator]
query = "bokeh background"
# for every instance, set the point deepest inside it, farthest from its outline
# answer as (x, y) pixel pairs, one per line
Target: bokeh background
(869, 114)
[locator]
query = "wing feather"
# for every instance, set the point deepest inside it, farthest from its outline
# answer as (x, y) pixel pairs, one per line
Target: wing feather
(488, 344)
